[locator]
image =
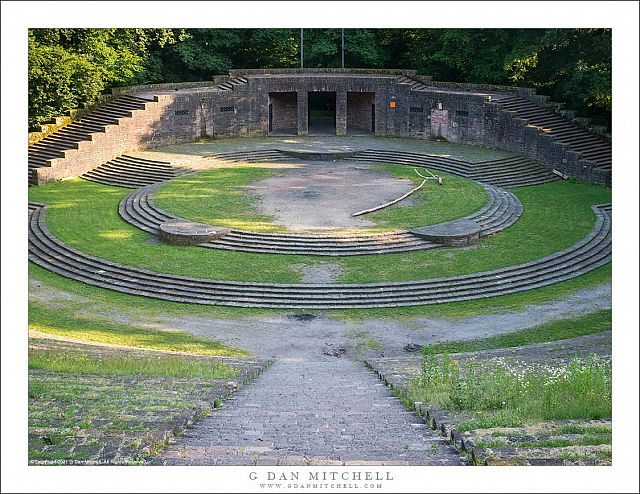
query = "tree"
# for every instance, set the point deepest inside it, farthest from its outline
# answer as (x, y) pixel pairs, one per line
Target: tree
(68, 67)
(570, 65)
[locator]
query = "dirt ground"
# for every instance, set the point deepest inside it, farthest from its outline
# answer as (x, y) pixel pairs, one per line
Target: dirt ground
(317, 196)
(290, 334)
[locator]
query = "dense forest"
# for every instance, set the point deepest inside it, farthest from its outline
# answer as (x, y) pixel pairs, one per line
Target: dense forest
(68, 67)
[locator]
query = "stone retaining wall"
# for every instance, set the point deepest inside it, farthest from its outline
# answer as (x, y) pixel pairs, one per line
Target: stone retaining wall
(137, 132)
(202, 110)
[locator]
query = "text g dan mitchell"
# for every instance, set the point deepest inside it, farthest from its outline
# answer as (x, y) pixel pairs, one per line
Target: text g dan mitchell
(320, 476)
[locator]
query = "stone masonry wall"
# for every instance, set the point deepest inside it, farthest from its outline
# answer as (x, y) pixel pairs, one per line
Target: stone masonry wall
(284, 108)
(359, 111)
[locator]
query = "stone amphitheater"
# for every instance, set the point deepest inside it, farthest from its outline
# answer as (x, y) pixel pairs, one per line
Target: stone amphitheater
(146, 137)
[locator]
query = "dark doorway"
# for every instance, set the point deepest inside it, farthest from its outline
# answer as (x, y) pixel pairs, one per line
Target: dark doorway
(361, 113)
(283, 113)
(322, 113)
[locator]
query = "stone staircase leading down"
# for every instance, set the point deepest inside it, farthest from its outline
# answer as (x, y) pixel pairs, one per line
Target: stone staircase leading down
(67, 138)
(231, 83)
(132, 172)
(415, 85)
(563, 130)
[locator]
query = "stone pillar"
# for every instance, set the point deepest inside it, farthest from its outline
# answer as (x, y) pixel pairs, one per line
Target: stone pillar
(341, 113)
(303, 113)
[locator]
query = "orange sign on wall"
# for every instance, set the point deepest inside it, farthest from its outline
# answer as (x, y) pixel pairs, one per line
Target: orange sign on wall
(392, 104)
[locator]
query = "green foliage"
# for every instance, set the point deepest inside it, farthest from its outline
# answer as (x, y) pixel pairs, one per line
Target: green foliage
(570, 65)
(68, 67)
(580, 389)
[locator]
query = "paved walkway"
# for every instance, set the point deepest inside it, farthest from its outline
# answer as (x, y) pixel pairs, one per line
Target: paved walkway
(331, 411)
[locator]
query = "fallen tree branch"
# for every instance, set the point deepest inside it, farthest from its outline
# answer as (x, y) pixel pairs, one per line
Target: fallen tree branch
(365, 211)
(432, 177)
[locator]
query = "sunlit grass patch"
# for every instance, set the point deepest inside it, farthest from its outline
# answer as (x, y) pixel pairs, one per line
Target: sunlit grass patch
(552, 331)
(78, 327)
(218, 197)
(431, 204)
(127, 365)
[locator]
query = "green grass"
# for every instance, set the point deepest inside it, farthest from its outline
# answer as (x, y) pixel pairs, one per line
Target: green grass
(125, 365)
(552, 331)
(70, 324)
(581, 429)
(85, 215)
(507, 395)
(218, 197)
(548, 443)
(434, 203)
(556, 215)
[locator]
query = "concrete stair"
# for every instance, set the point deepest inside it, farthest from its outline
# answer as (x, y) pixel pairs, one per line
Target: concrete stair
(70, 136)
(561, 129)
(233, 82)
(132, 172)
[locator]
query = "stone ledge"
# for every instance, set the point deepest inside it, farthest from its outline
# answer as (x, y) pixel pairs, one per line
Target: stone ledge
(188, 233)
(458, 233)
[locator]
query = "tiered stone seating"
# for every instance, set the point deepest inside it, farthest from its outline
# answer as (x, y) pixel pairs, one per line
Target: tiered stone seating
(68, 137)
(415, 85)
(512, 172)
(132, 172)
(516, 171)
(232, 82)
(578, 139)
(52, 254)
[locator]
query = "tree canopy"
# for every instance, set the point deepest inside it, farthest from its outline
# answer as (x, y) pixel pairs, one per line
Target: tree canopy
(71, 66)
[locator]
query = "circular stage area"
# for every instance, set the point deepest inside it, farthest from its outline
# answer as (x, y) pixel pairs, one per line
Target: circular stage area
(299, 189)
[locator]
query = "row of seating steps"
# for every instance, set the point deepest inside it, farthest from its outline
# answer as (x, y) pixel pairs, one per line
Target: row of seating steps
(49, 252)
(415, 84)
(132, 172)
(232, 83)
(515, 171)
(67, 138)
(563, 130)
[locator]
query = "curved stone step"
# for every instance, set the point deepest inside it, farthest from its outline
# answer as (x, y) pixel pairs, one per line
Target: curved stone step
(49, 252)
